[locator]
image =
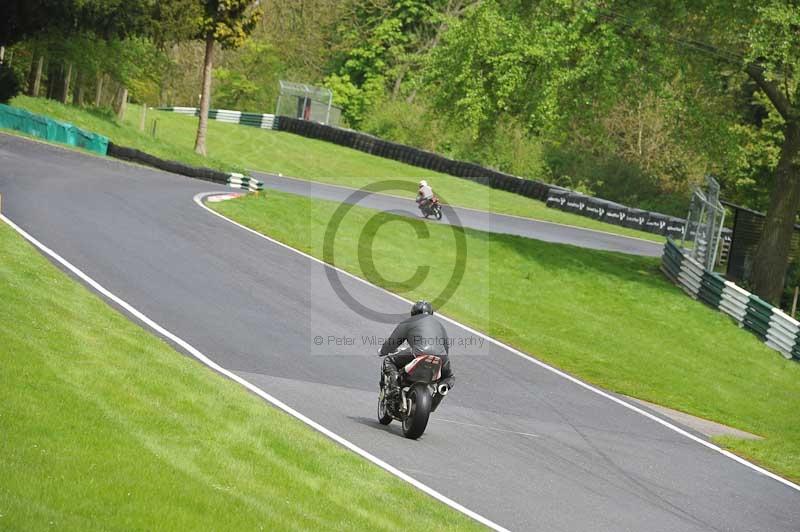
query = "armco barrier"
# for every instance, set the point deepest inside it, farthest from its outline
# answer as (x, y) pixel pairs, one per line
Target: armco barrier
(775, 328)
(51, 130)
(245, 182)
(263, 121)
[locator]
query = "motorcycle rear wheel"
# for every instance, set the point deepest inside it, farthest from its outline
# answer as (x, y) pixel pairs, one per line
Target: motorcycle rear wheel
(419, 410)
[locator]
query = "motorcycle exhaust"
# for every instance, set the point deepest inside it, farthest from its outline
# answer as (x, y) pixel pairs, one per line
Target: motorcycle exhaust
(443, 388)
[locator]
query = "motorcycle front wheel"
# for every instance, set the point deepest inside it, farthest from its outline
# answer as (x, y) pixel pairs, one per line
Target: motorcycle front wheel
(438, 213)
(419, 410)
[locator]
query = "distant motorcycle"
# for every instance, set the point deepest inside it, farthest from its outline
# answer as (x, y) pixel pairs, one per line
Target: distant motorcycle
(431, 208)
(421, 390)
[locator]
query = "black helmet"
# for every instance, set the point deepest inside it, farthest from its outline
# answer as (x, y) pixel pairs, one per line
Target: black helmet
(421, 307)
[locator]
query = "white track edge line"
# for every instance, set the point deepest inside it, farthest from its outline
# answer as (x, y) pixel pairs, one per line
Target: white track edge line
(252, 387)
(660, 244)
(198, 199)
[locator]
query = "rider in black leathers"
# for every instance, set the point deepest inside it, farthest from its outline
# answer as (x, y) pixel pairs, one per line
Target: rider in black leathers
(423, 333)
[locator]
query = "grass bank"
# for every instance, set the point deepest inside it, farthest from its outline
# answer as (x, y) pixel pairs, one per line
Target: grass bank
(235, 147)
(609, 318)
(105, 427)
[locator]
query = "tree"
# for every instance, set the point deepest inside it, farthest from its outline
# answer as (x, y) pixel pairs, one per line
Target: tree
(227, 22)
(773, 63)
(559, 64)
(23, 18)
(381, 45)
(247, 78)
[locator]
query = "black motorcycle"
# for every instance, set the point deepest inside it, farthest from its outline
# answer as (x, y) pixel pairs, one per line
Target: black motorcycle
(431, 207)
(421, 391)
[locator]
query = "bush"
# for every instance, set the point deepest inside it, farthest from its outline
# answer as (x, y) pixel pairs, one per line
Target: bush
(507, 148)
(613, 179)
(9, 84)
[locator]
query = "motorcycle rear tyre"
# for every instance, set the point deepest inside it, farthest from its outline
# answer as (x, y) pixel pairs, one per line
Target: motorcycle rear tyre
(419, 410)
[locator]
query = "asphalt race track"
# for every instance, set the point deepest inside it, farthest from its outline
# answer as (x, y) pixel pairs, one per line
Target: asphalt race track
(514, 442)
(475, 219)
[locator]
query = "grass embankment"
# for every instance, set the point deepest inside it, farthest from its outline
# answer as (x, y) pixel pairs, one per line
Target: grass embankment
(609, 318)
(235, 147)
(105, 427)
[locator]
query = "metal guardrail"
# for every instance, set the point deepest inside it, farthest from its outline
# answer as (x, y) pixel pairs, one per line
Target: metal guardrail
(776, 329)
(263, 121)
(245, 182)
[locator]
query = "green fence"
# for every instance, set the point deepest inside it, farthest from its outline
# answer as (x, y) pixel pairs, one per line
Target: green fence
(52, 130)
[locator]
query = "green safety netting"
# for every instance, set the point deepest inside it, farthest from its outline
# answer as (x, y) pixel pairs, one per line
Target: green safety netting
(52, 130)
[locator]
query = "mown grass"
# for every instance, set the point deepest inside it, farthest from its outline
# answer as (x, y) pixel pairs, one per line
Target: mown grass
(235, 147)
(609, 318)
(105, 427)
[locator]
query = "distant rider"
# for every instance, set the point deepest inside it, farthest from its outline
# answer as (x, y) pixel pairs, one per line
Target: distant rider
(424, 194)
(423, 333)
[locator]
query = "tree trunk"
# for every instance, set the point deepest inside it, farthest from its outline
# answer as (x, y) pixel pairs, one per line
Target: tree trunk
(35, 75)
(205, 97)
(398, 83)
(77, 93)
(98, 92)
(772, 255)
(67, 79)
(122, 103)
(51, 77)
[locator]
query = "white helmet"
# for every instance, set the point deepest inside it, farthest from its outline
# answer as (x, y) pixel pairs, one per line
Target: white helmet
(423, 183)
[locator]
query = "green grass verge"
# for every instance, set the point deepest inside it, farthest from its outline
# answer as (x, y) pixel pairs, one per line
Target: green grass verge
(235, 147)
(609, 318)
(105, 427)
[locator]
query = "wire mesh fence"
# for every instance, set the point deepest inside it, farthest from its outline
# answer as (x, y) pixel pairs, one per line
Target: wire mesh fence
(306, 102)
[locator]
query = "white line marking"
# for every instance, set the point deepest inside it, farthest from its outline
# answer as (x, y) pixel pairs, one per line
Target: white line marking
(470, 208)
(529, 358)
(252, 387)
(484, 427)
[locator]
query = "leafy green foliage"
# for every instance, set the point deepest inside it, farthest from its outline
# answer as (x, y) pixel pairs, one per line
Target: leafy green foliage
(9, 84)
(377, 40)
(229, 21)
